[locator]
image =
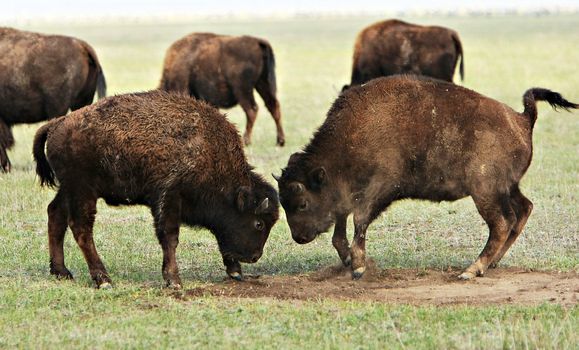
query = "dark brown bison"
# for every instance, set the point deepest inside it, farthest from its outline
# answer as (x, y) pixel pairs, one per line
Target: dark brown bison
(410, 137)
(177, 155)
(42, 77)
(396, 47)
(224, 70)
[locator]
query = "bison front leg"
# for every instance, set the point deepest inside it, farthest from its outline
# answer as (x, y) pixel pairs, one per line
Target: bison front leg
(358, 250)
(167, 222)
(340, 241)
(233, 268)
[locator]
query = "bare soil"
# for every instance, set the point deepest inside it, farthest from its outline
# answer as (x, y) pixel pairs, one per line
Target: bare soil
(406, 286)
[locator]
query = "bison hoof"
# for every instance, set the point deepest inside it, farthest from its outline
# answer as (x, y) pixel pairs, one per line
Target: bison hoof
(62, 275)
(358, 273)
(174, 285)
(494, 265)
(105, 285)
(236, 276)
(465, 276)
(280, 142)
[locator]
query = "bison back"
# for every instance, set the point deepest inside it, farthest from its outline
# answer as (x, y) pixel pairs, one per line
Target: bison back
(40, 76)
(128, 146)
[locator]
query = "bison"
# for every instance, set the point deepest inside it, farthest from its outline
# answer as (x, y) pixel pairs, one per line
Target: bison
(176, 155)
(224, 70)
(413, 137)
(42, 77)
(396, 47)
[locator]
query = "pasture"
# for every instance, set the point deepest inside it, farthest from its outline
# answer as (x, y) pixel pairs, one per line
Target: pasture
(410, 298)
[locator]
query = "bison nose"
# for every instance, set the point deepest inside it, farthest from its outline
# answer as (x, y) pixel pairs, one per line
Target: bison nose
(255, 257)
(301, 240)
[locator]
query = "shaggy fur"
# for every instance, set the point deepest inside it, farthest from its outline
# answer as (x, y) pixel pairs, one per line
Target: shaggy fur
(410, 137)
(177, 155)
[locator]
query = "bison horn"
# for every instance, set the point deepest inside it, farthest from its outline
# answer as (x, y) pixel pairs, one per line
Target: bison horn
(262, 207)
(297, 188)
(277, 178)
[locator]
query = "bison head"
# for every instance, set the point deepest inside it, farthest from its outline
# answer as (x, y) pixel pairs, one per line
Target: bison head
(242, 234)
(307, 201)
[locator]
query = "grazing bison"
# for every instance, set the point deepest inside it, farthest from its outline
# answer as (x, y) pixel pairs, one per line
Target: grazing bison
(177, 155)
(396, 47)
(224, 70)
(413, 137)
(42, 77)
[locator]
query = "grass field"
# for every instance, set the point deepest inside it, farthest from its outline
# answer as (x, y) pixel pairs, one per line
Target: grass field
(504, 56)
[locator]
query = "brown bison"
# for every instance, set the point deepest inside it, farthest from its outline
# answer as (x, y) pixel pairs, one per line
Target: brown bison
(224, 70)
(177, 155)
(396, 47)
(413, 137)
(42, 77)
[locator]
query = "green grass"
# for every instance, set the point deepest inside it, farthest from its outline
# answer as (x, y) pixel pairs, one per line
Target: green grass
(504, 57)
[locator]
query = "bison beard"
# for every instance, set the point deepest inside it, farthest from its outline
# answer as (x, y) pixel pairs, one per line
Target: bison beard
(409, 137)
(172, 153)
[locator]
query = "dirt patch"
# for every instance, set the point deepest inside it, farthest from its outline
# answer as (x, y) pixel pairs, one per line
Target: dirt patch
(406, 286)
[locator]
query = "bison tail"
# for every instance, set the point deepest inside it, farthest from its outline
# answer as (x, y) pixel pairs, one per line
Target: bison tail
(43, 169)
(555, 99)
(458, 48)
(269, 66)
(101, 84)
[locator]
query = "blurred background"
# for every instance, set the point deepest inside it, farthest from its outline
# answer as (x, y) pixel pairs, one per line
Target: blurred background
(19, 10)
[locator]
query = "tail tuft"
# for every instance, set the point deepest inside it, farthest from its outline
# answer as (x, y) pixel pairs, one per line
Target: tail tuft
(555, 99)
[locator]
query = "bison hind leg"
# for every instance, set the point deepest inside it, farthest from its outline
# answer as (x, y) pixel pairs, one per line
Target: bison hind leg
(6, 142)
(523, 208)
(57, 224)
(167, 217)
(81, 215)
(500, 217)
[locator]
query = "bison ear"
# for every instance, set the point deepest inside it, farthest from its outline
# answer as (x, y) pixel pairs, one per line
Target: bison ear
(243, 200)
(318, 177)
(345, 87)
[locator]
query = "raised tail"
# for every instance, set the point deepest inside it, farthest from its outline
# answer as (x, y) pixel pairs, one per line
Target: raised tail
(43, 168)
(458, 47)
(269, 66)
(555, 99)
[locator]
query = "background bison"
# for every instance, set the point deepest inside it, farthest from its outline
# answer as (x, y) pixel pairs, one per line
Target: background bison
(396, 47)
(177, 155)
(409, 137)
(42, 77)
(224, 70)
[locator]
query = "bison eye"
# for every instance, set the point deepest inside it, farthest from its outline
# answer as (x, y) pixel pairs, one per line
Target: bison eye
(259, 225)
(303, 206)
